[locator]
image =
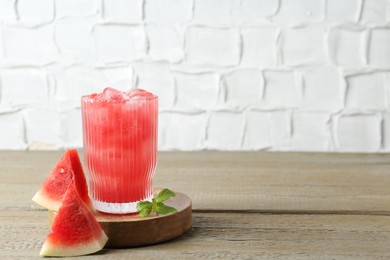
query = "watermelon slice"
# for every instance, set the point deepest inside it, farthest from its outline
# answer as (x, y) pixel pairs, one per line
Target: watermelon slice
(68, 170)
(75, 230)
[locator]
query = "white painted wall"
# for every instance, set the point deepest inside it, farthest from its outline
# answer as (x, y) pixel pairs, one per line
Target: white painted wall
(280, 75)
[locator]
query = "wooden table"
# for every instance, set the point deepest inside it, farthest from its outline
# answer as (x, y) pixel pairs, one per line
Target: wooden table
(245, 206)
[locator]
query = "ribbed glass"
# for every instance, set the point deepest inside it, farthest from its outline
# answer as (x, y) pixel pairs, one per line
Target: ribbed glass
(120, 151)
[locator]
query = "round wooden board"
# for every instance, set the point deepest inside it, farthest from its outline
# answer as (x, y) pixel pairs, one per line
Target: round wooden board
(130, 230)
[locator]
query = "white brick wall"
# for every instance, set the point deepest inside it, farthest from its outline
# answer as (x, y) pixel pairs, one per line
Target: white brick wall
(12, 134)
(386, 131)
(122, 11)
(35, 11)
(267, 129)
(374, 11)
(281, 89)
(278, 75)
(259, 47)
(24, 86)
(359, 132)
(225, 130)
(24, 46)
(347, 46)
(379, 53)
(366, 91)
(43, 127)
(299, 12)
(182, 131)
(220, 47)
(342, 11)
(310, 131)
(165, 43)
(244, 88)
(323, 89)
(196, 91)
(253, 11)
(204, 12)
(73, 38)
(76, 8)
(7, 10)
(119, 43)
(303, 46)
(168, 11)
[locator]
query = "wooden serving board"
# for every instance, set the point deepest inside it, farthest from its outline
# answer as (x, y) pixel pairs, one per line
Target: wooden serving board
(130, 230)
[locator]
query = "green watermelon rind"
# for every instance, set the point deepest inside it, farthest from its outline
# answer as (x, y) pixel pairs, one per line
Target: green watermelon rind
(50, 248)
(45, 201)
(50, 204)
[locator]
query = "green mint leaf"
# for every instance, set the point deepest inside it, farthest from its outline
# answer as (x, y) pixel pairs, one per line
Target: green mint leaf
(162, 209)
(157, 205)
(164, 195)
(144, 205)
(145, 211)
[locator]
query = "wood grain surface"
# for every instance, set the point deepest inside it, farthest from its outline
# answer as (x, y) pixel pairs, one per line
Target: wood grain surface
(245, 206)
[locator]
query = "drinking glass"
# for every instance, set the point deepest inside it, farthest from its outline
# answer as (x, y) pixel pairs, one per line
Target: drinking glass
(120, 148)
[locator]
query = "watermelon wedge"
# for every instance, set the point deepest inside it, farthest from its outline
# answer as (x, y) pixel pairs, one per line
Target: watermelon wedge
(75, 230)
(68, 170)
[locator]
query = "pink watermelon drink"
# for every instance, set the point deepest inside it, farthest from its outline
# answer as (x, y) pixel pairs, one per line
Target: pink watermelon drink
(120, 147)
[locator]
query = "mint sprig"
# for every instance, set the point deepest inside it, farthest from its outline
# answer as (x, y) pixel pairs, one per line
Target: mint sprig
(156, 205)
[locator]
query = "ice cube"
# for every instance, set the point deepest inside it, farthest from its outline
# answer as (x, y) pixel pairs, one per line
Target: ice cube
(139, 93)
(114, 95)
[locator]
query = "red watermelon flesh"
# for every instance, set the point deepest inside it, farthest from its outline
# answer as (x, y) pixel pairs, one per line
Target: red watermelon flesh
(75, 230)
(68, 170)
